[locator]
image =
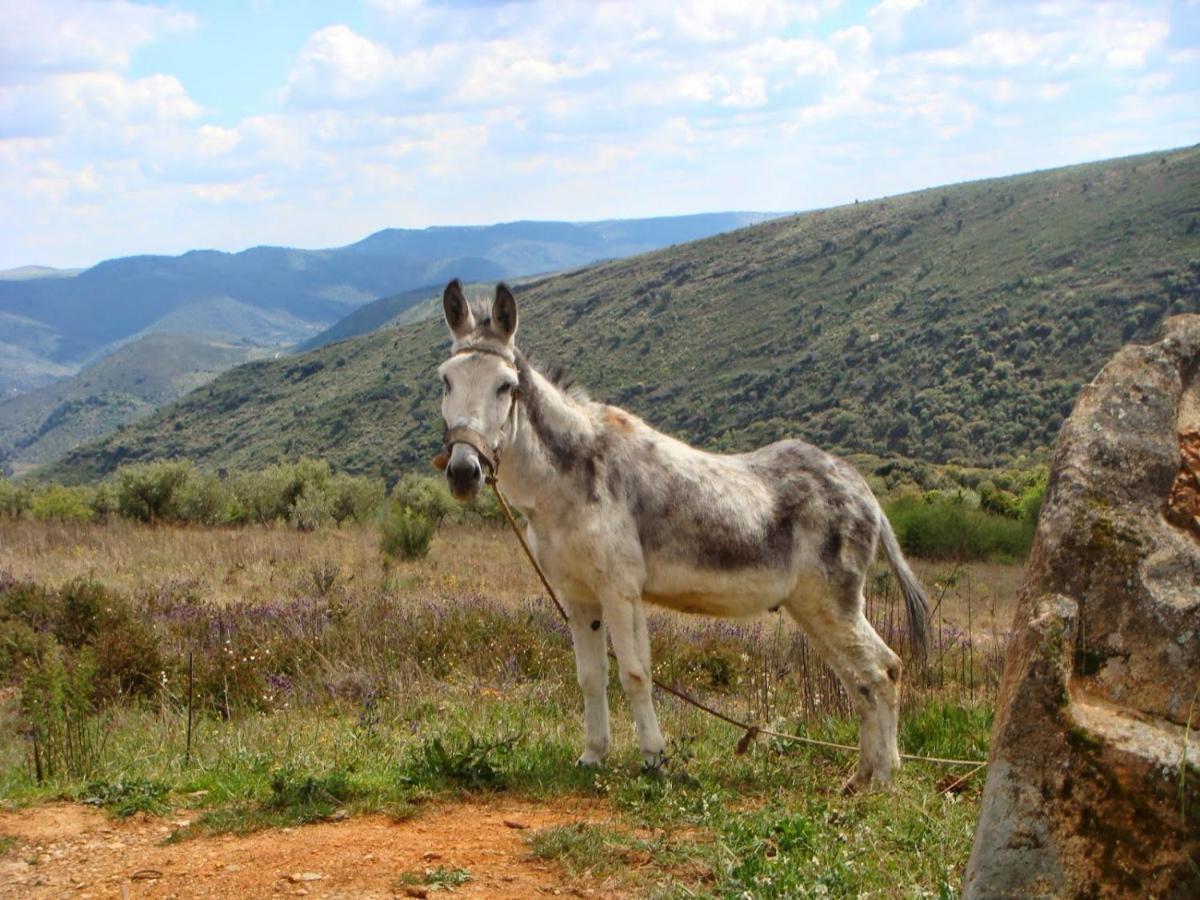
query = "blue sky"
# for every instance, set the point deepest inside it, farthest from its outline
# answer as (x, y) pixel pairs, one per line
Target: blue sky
(156, 128)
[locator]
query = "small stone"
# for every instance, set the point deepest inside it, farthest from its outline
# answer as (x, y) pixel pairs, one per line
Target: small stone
(301, 877)
(430, 855)
(513, 823)
(415, 890)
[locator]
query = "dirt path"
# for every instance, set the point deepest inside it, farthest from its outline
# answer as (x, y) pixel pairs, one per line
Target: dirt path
(67, 850)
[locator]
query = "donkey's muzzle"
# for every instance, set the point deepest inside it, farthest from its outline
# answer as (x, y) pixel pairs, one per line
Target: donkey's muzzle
(464, 458)
(464, 474)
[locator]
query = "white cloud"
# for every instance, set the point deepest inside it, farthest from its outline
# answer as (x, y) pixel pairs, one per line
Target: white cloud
(78, 36)
(432, 113)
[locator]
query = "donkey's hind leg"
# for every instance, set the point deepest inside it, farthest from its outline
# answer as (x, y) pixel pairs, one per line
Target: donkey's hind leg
(834, 622)
(591, 669)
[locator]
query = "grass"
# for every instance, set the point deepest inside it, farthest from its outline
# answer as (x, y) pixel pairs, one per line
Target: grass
(438, 878)
(393, 687)
(128, 797)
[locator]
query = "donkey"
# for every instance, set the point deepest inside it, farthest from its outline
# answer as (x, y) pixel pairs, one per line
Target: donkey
(620, 514)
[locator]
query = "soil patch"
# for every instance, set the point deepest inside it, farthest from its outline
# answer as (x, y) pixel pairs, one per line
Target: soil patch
(67, 849)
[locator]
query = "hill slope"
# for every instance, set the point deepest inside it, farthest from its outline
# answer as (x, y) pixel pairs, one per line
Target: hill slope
(131, 383)
(950, 324)
(270, 294)
(411, 306)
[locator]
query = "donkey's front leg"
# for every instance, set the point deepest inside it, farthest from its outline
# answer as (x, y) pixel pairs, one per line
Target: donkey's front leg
(591, 668)
(631, 644)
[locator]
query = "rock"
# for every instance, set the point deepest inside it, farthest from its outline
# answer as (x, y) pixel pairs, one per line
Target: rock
(302, 877)
(1092, 785)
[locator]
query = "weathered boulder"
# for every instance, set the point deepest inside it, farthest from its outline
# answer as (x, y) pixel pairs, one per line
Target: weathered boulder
(1093, 787)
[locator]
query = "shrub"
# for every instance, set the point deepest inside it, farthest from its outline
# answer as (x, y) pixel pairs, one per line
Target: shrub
(940, 528)
(13, 500)
(150, 492)
(104, 501)
(355, 499)
(426, 495)
(88, 616)
(311, 509)
(80, 617)
(405, 533)
(204, 499)
(304, 493)
(63, 504)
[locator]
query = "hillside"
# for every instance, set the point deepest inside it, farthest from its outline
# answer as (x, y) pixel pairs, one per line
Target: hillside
(43, 424)
(411, 306)
(953, 324)
(277, 294)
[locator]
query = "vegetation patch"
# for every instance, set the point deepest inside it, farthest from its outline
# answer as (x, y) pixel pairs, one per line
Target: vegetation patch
(125, 798)
(438, 878)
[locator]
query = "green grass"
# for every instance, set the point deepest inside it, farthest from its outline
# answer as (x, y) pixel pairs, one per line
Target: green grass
(953, 325)
(124, 798)
(771, 822)
(438, 878)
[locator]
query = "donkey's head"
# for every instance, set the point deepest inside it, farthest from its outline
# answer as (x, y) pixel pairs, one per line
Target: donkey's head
(479, 381)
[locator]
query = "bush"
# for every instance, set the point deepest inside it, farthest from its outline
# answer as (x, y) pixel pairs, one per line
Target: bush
(311, 509)
(204, 499)
(62, 504)
(355, 499)
(426, 495)
(940, 528)
(13, 500)
(150, 492)
(80, 617)
(405, 533)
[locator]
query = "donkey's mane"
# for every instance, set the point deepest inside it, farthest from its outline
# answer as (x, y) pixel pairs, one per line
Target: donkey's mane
(559, 377)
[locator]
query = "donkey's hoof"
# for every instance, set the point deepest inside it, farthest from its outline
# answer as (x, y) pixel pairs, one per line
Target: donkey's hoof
(861, 782)
(653, 763)
(589, 761)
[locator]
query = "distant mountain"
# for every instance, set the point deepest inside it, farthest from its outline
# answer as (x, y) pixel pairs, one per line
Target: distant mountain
(274, 294)
(26, 273)
(411, 306)
(373, 315)
(142, 375)
(953, 325)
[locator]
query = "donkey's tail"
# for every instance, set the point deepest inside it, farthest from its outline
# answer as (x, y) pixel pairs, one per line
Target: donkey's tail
(914, 595)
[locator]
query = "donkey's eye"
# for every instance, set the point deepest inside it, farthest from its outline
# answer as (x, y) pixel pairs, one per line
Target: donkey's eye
(503, 389)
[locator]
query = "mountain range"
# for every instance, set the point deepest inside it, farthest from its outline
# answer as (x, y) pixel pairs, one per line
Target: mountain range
(953, 325)
(55, 322)
(278, 295)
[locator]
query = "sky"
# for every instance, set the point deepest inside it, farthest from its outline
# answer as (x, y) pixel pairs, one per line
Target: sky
(130, 128)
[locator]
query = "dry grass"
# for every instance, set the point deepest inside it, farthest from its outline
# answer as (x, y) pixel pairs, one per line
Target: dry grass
(225, 565)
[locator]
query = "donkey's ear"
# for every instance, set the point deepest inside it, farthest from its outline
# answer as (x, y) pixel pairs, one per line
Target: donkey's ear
(504, 312)
(458, 314)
